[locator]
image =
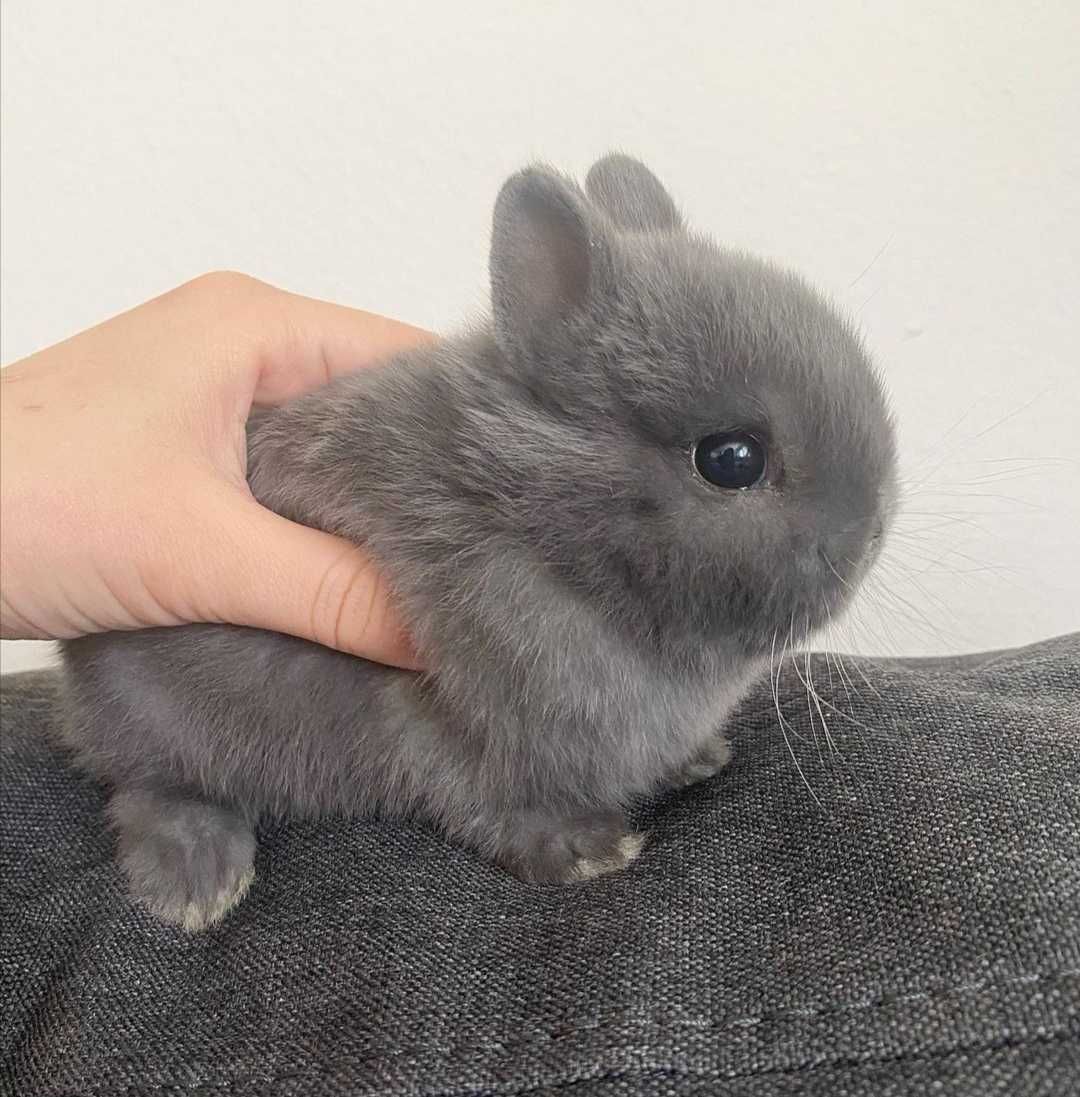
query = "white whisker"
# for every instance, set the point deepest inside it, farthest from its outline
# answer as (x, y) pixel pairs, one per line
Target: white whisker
(783, 723)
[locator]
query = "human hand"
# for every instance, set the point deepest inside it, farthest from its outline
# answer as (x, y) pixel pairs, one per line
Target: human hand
(123, 463)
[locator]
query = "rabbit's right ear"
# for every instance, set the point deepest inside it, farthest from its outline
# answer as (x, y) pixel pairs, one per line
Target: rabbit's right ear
(631, 195)
(549, 260)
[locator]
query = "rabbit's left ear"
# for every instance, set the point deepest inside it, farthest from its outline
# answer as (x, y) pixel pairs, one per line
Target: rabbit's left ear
(631, 195)
(549, 259)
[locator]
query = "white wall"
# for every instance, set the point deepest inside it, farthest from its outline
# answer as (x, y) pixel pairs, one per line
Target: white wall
(920, 160)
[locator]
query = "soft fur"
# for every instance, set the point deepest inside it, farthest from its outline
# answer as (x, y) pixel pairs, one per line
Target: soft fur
(590, 609)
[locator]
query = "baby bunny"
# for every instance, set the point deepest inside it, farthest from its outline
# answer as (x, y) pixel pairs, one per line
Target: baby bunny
(600, 512)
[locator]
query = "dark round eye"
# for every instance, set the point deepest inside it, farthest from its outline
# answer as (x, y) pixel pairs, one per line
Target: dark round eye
(732, 459)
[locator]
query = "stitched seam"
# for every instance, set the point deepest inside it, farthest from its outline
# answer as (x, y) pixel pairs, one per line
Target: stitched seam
(666, 1023)
(845, 1063)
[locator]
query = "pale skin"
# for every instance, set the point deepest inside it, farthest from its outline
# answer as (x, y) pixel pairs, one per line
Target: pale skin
(122, 473)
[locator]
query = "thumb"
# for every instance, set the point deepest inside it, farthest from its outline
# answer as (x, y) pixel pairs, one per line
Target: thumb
(274, 574)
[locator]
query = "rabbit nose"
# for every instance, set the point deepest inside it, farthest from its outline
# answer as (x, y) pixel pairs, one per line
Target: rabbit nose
(843, 553)
(877, 539)
(830, 554)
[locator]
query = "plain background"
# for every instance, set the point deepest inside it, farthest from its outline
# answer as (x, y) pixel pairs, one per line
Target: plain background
(920, 161)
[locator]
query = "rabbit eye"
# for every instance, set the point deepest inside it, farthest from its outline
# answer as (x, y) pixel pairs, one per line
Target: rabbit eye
(732, 459)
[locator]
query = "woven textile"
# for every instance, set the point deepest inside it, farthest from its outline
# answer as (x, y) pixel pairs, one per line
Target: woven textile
(919, 928)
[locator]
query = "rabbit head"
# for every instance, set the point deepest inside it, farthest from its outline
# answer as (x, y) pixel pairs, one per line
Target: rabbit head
(704, 445)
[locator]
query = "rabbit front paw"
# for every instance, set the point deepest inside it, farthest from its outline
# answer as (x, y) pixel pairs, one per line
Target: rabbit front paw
(188, 861)
(703, 765)
(565, 851)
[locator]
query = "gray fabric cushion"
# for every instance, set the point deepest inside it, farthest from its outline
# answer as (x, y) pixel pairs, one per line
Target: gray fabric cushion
(919, 932)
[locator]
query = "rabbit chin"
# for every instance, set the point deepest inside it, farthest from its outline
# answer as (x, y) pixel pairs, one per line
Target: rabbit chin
(792, 623)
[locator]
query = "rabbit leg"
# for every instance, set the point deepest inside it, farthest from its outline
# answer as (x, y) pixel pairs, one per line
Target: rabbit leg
(548, 850)
(189, 861)
(707, 762)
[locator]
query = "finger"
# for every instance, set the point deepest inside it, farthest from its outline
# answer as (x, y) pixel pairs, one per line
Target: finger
(279, 575)
(317, 341)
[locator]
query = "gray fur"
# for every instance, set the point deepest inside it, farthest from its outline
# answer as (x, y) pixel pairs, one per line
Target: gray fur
(631, 195)
(590, 610)
(188, 860)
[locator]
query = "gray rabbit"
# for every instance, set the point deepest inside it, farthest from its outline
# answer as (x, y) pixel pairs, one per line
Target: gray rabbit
(600, 512)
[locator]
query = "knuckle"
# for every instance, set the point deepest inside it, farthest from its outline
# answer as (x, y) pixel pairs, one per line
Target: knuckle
(220, 288)
(225, 282)
(221, 298)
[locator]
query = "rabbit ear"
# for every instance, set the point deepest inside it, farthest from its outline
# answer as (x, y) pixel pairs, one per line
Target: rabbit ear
(631, 195)
(547, 260)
